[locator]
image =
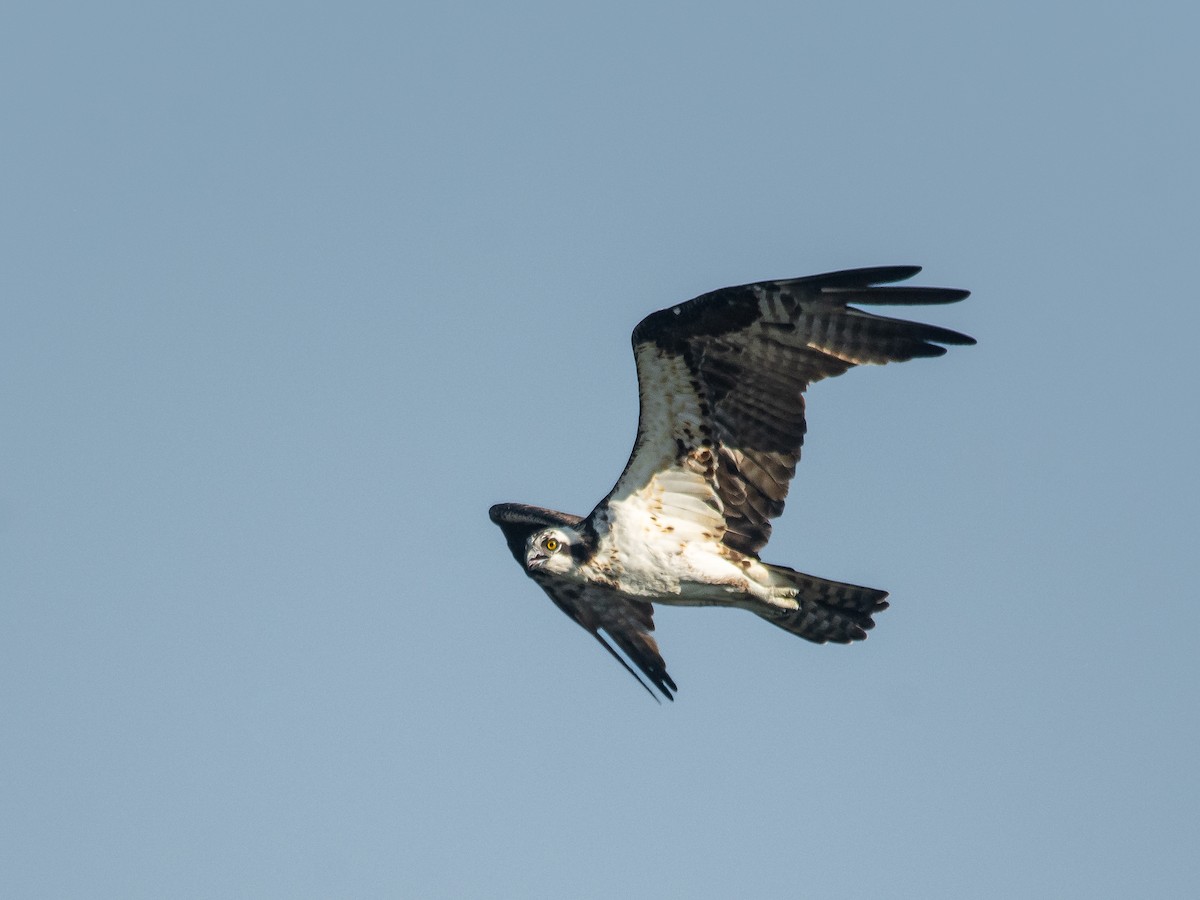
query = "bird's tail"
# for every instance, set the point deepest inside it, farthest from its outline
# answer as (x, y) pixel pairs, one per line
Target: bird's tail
(827, 610)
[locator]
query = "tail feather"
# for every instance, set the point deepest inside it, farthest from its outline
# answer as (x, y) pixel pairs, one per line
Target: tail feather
(828, 610)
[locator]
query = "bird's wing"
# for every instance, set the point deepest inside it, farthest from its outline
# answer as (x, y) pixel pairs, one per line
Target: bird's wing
(721, 380)
(626, 620)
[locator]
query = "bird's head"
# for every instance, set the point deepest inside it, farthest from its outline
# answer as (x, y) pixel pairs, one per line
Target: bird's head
(550, 550)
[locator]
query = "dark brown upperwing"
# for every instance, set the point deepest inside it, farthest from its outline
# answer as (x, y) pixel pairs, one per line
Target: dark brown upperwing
(626, 620)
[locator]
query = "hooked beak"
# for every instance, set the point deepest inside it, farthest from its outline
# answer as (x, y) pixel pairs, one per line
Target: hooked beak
(535, 559)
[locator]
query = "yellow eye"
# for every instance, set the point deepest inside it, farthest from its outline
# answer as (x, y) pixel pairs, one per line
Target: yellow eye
(552, 544)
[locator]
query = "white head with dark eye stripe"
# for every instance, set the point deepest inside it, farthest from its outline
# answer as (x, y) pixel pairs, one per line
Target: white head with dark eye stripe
(550, 551)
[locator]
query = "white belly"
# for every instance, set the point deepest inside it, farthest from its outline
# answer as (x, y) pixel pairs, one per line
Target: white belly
(682, 573)
(664, 544)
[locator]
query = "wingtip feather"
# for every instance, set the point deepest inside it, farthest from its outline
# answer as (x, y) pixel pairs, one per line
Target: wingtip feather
(861, 278)
(665, 684)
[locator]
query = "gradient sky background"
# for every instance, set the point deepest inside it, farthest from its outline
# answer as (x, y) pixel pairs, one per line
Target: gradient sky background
(293, 292)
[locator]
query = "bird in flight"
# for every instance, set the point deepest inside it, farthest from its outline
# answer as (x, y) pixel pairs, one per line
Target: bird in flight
(721, 381)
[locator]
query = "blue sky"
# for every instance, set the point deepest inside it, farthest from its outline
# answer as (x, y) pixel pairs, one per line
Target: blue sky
(294, 292)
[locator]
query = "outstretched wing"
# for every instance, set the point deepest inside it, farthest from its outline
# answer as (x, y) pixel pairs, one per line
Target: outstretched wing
(721, 380)
(626, 620)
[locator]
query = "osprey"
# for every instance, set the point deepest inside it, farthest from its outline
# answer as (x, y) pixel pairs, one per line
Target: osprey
(721, 380)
